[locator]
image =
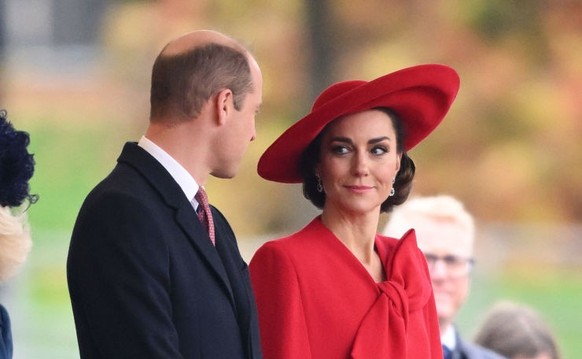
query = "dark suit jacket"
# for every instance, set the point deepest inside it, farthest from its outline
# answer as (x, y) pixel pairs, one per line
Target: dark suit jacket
(466, 350)
(5, 335)
(144, 279)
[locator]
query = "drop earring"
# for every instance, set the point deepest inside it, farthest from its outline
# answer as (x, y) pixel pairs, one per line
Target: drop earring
(392, 190)
(319, 187)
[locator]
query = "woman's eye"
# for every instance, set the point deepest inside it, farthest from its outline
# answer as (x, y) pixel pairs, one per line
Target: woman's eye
(379, 150)
(340, 150)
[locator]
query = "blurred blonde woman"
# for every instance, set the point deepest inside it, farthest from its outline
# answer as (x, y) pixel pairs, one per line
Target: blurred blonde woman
(16, 168)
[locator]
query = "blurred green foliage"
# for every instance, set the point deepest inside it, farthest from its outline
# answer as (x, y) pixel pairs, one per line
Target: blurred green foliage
(70, 160)
(509, 148)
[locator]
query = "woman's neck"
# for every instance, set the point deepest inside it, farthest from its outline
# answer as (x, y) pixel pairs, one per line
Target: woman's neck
(356, 232)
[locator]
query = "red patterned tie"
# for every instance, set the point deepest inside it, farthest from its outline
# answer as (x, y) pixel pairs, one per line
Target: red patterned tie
(204, 215)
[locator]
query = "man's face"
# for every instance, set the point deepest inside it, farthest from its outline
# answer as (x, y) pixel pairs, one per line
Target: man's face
(240, 128)
(448, 249)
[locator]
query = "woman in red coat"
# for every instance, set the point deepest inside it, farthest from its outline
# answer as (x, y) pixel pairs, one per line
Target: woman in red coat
(337, 289)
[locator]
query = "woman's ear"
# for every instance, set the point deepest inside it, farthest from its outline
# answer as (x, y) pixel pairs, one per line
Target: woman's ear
(317, 170)
(398, 161)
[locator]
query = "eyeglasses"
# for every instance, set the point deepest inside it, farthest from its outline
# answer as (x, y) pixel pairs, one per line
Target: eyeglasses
(455, 265)
(25, 205)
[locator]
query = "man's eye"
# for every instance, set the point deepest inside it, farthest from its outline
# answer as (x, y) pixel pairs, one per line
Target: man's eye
(451, 260)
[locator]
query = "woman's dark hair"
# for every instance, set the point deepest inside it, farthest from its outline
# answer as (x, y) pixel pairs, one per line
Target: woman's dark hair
(402, 183)
(16, 165)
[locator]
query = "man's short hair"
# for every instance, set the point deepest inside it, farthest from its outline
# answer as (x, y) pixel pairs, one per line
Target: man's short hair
(442, 207)
(182, 83)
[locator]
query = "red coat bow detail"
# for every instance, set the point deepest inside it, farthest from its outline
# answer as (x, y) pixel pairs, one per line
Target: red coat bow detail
(384, 331)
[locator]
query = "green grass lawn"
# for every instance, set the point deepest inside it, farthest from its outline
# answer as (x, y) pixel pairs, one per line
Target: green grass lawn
(556, 293)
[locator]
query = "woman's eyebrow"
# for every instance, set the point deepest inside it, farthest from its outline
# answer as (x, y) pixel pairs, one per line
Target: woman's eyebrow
(349, 140)
(379, 139)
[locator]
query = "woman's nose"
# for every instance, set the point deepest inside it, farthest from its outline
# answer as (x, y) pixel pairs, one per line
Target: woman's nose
(360, 165)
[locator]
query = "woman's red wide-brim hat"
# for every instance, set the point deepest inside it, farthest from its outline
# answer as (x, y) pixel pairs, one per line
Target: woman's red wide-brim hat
(420, 95)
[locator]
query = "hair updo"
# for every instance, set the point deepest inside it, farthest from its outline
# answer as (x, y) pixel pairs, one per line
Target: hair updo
(16, 165)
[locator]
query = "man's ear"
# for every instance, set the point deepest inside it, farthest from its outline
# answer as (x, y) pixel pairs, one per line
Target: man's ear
(224, 105)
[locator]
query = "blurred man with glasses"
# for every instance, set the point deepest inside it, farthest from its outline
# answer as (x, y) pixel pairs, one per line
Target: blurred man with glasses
(445, 232)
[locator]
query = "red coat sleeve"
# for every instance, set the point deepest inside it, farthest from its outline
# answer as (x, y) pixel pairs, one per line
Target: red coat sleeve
(281, 316)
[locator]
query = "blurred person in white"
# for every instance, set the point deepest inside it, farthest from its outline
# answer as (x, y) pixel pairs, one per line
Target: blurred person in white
(518, 332)
(16, 169)
(445, 233)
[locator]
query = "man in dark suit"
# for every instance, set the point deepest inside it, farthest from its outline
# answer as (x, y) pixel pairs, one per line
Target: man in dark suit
(147, 278)
(445, 233)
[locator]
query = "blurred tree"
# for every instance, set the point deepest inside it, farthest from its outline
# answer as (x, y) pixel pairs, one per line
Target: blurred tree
(78, 22)
(2, 45)
(321, 25)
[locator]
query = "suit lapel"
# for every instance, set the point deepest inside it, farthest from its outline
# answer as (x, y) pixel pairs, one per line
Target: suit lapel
(460, 350)
(187, 220)
(236, 269)
(173, 196)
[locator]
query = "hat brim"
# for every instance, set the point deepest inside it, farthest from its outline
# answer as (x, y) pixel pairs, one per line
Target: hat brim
(420, 95)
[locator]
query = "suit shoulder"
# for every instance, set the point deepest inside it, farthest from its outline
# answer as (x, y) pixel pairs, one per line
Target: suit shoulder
(299, 240)
(475, 351)
(287, 247)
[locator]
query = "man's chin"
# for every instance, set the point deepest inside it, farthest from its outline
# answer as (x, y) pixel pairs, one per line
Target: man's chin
(224, 174)
(444, 307)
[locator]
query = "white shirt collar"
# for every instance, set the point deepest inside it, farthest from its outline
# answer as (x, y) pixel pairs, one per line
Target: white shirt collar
(449, 339)
(176, 170)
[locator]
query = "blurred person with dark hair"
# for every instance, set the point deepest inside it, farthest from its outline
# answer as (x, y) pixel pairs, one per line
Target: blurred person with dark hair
(153, 270)
(337, 289)
(16, 169)
(445, 232)
(518, 332)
